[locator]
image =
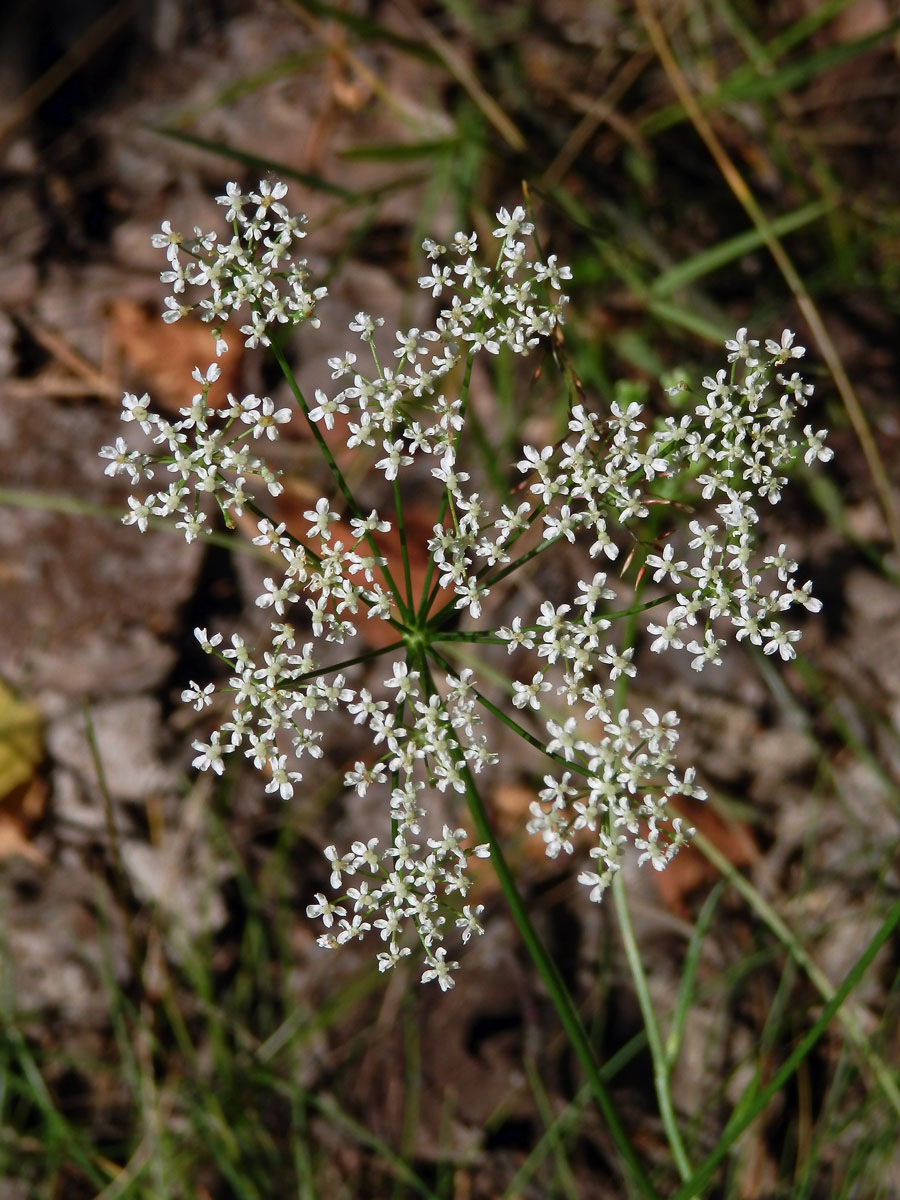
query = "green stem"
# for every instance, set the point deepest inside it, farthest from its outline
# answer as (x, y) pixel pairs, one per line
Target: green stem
(547, 968)
(427, 594)
(450, 606)
(661, 1070)
(72, 506)
(343, 665)
(509, 722)
(336, 471)
(401, 534)
(553, 981)
(120, 876)
(488, 635)
(688, 981)
(522, 560)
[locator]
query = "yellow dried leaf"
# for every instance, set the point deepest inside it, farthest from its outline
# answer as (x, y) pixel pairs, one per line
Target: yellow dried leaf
(21, 747)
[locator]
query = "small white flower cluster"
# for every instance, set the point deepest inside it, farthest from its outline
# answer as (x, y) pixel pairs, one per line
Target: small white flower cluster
(736, 443)
(204, 460)
(614, 772)
(255, 269)
(744, 440)
(412, 889)
(488, 309)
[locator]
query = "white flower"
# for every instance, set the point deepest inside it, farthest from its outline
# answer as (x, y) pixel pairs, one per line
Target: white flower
(282, 780)
(234, 200)
(516, 636)
(740, 348)
(817, 448)
(365, 325)
(439, 969)
(706, 653)
(174, 311)
(169, 240)
(512, 224)
(619, 663)
(665, 636)
(551, 272)
(786, 349)
(137, 409)
(593, 591)
(439, 278)
(339, 866)
(325, 910)
(139, 514)
(207, 643)
(529, 694)
(263, 416)
(321, 517)
(470, 921)
(666, 565)
(394, 459)
(780, 641)
(803, 595)
(209, 754)
(122, 460)
(403, 680)
(200, 697)
(784, 565)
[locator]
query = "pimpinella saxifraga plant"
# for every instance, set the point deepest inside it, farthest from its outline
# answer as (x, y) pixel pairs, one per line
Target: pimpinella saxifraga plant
(610, 772)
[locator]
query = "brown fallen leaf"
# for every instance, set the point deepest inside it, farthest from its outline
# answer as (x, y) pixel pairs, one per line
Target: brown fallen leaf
(163, 356)
(689, 871)
(19, 812)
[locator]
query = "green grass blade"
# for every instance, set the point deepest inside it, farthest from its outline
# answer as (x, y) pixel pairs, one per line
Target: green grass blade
(691, 269)
(571, 1115)
(283, 68)
(794, 75)
(400, 151)
(59, 1136)
(367, 30)
(804, 27)
(73, 506)
(689, 974)
(745, 84)
(553, 1138)
(247, 158)
(364, 1137)
(752, 1104)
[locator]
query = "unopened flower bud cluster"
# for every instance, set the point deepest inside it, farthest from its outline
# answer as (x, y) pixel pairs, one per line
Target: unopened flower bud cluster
(610, 772)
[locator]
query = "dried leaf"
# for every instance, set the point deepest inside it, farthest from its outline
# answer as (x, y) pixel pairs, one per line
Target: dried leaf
(165, 355)
(22, 794)
(689, 871)
(19, 810)
(21, 745)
